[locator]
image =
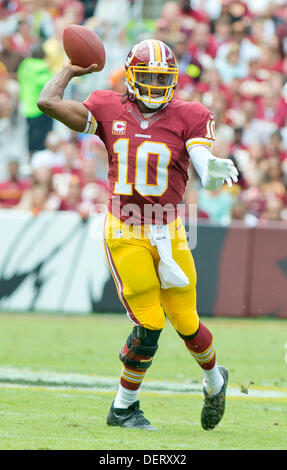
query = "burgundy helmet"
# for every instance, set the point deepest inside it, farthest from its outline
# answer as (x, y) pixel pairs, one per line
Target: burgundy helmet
(151, 72)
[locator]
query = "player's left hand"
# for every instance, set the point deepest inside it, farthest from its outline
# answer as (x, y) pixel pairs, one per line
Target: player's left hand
(222, 169)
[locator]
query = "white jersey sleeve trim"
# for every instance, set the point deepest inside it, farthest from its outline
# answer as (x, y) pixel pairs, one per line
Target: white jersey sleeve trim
(191, 143)
(91, 125)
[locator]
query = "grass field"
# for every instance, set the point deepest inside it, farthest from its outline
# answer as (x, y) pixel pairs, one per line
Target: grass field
(59, 375)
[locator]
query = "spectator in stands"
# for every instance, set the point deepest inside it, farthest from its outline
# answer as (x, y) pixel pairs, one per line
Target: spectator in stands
(52, 155)
(255, 129)
(23, 40)
(39, 19)
(33, 74)
(4, 117)
(222, 30)
(170, 20)
(270, 57)
(8, 92)
(254, 84)
(248, 161)
(268, 105)
(9, 57)
(230, 66)
(191, 9)
(73, 199)
(72, 11)
(89, 7)
(191, 202)
(8, 7)
(12, 189)
(93, 148)
(71, 166)
(94, 189)
(238, 211)
(247, 50)
(189, 68)
(202, 43)
(40, 195)
(217, 205)
(39, 199)
(210, 85)
(53, 46)
(107, 21)
(232, 57)
(275, 147)
(117, 81)
(273, 210)
(237, 10)
(224, 131)
(273, 176)
(8, 19)
(254, 199)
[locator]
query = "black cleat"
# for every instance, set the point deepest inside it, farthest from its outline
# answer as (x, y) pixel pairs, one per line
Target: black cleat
(214, 405)
(131, 417)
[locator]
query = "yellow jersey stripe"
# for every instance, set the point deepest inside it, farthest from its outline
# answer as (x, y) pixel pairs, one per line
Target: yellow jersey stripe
(198, 142)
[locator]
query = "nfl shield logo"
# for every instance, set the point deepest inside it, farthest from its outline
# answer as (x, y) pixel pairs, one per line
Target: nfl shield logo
(119, 234)
(144, 124)
(159, 230)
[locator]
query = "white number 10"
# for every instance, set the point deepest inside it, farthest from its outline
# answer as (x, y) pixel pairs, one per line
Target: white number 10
(146, 151)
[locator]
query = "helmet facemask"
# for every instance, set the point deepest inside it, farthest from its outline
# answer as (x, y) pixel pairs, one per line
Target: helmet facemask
(151, 73)
(154, 86)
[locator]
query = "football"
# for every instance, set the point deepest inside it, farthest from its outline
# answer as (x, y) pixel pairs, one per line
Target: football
(83, 47)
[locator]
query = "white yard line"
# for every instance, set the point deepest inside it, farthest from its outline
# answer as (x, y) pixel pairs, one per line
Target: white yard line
(23, 377)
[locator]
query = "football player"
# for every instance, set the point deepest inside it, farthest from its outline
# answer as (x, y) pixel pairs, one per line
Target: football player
(151, 138)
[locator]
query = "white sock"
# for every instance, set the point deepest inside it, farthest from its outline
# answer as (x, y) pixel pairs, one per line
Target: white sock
(212, 380)
(125, 397)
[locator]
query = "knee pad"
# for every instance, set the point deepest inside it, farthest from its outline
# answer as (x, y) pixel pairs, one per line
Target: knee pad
(140, 347)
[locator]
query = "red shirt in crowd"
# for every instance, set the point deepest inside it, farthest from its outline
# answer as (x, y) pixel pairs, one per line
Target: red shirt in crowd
(12, 191)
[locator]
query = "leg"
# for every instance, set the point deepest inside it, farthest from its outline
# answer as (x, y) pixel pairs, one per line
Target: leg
(180, 307)
(136, 355)
(132, 266)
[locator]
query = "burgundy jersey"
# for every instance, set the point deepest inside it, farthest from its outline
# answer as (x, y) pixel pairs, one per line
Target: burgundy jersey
(148, 154)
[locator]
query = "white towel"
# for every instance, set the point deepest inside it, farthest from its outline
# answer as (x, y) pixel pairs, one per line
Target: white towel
(170, 274)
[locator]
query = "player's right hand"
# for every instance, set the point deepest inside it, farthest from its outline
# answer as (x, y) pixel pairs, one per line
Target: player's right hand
(78, 71)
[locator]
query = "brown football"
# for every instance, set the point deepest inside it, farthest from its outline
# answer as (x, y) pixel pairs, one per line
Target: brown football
(83, 46)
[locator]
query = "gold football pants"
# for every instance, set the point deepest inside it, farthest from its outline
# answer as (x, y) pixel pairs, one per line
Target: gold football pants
(133, 262)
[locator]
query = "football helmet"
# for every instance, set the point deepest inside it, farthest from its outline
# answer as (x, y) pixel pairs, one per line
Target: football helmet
(151, 73)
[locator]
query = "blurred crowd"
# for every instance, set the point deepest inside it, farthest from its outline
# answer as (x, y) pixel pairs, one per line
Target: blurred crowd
(232, 57)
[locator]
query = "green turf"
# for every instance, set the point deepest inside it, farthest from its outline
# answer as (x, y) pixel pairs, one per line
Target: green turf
(39, 418)
(35, 419)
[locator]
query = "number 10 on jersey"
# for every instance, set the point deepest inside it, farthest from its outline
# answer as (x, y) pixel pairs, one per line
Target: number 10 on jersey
(148, 153)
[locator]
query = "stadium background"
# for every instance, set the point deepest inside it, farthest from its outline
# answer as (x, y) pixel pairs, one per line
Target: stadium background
(232, 58)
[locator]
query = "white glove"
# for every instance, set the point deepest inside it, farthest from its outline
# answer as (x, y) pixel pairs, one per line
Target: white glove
(218, 171)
